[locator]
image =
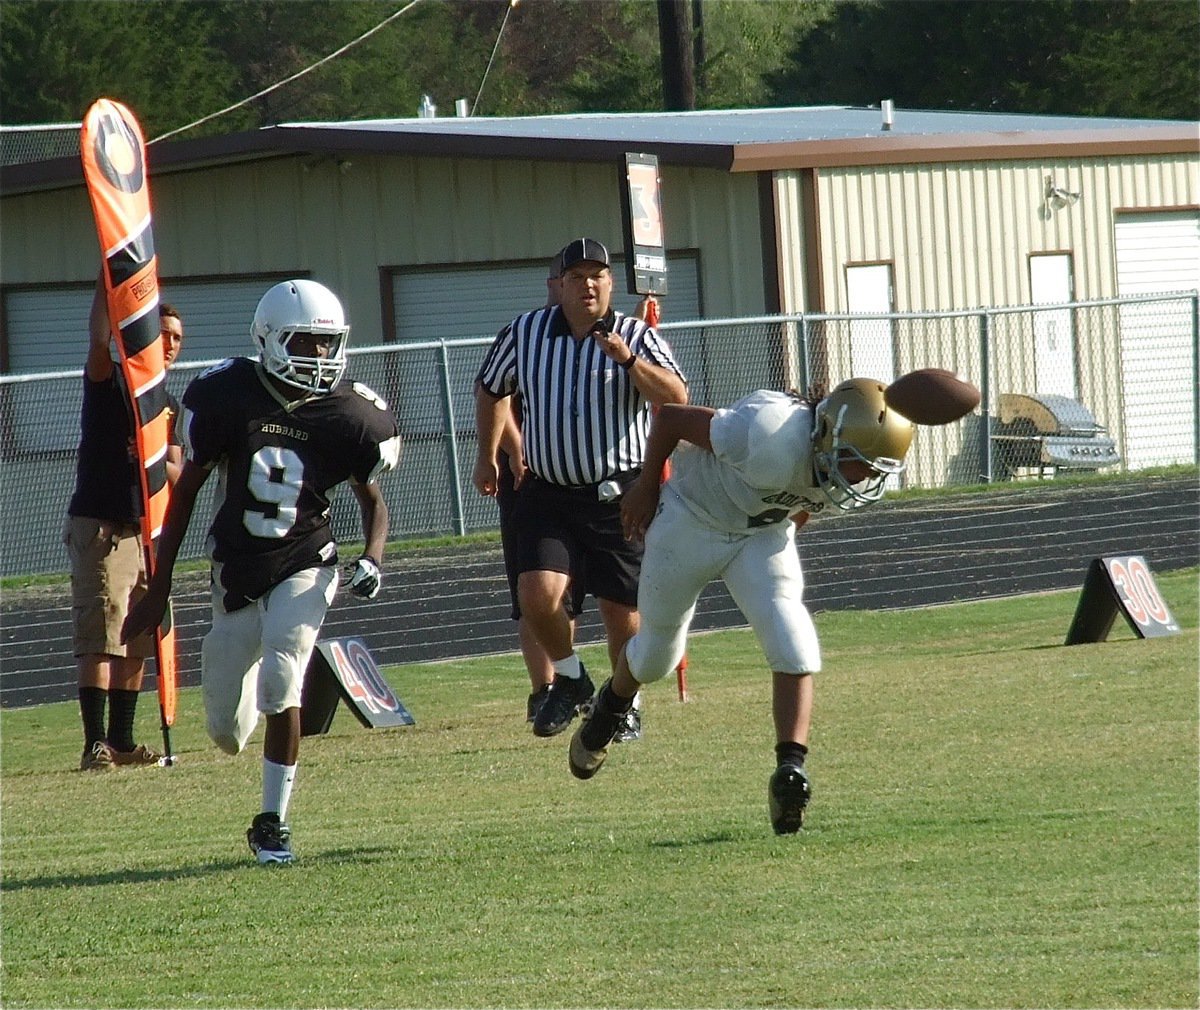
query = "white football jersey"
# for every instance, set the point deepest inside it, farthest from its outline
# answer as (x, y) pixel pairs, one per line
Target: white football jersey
(760, 470)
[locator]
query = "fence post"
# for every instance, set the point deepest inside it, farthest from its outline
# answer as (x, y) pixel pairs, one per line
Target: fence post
(805, 360)
(985, 395)
(1196, 378)
(460, 522)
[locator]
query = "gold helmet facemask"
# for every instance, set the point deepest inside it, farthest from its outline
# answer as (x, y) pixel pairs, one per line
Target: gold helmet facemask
(853, 423)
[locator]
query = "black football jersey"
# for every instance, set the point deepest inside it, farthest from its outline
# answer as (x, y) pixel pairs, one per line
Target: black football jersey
(276, 465)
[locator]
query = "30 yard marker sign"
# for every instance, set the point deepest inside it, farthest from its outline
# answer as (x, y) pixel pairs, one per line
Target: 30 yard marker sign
(1120, 585)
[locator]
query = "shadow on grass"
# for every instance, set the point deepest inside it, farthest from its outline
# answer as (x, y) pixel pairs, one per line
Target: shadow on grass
(331, 858)
(716, 838)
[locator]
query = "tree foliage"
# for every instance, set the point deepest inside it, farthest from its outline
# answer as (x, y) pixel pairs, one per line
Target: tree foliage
(175, 61)
(1100, 57)
(157, 56)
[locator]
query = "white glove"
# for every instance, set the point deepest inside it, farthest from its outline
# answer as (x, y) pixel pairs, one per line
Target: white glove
(365, 578)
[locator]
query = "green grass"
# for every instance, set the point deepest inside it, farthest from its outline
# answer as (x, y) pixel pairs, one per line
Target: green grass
(998, 821)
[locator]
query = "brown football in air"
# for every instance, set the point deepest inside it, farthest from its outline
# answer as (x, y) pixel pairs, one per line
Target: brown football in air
(931, 396)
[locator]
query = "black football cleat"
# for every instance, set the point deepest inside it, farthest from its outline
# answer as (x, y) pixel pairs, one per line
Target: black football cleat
(630, 728)
(564, 699)
(535, 701)
(270, 840)
(787, 795)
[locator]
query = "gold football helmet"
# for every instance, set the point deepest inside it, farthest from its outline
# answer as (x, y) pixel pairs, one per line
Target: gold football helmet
(854, 425)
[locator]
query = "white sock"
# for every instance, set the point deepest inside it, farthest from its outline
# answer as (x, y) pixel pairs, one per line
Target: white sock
(568, 667)
(277, 781)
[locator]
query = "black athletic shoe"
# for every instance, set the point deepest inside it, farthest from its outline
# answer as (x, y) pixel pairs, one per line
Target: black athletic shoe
(270, 839)
(630, 727)
(787, 795)
(535, 702)
(562, 702)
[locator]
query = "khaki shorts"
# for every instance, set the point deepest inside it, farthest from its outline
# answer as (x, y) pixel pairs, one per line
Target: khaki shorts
(108, 575)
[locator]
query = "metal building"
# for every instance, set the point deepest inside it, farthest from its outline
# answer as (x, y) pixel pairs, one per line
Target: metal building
(437, 227)
(442, 228)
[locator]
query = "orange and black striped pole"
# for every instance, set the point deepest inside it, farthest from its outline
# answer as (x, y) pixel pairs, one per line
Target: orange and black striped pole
(114, 167)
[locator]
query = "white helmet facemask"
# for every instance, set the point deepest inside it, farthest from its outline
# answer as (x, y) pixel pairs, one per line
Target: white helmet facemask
(301, 307)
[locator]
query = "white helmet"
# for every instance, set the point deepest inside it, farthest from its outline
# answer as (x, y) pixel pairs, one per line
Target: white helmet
(854, 422)
(301, 306)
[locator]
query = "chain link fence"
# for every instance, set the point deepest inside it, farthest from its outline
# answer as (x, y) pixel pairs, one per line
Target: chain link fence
(1059, 384)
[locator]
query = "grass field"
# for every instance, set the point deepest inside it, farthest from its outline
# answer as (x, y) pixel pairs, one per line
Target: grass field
(998, 821)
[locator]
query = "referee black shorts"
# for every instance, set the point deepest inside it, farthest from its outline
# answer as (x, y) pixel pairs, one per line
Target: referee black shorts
(506, 498)
(570, 530)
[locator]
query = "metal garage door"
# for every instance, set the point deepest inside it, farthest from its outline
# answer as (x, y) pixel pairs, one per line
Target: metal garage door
(46, 328)
(453, 302)
(1157, 253)
(463, 302)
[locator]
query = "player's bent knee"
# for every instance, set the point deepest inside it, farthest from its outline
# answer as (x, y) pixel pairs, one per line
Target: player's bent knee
(651, 657)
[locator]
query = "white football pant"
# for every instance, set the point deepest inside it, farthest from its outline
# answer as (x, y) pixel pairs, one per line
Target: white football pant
(761, 570)
(253, 660)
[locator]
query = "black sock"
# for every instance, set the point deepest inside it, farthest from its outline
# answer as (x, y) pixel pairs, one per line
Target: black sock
(600, 728)
(120, 719)
(613, 702)
(92, 701)
(788, 753)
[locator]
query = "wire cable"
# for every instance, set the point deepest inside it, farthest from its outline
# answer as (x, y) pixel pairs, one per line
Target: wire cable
(296, 76)
(496, 48)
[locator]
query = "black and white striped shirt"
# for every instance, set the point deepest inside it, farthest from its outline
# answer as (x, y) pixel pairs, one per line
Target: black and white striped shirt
(583, 419)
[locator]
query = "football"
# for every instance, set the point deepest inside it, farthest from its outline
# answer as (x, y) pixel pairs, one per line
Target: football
(931, 396)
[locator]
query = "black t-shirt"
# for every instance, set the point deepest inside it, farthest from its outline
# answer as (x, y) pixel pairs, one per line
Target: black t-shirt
(277, 464)
(105, 476)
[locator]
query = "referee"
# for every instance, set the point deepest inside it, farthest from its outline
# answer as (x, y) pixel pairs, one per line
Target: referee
(588, 377)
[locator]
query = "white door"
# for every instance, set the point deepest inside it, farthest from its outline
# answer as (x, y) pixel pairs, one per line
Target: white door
(1158, 253)
(872, 352)
(869, 290)
(1050, 283)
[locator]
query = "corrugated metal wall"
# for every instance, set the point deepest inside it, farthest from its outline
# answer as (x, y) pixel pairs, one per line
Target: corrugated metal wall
(343, 220)
(959, 235)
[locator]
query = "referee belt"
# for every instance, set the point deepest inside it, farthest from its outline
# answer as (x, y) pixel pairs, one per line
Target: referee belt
(602, 490)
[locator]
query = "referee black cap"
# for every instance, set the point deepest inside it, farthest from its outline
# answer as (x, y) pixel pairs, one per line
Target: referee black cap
(582, 249)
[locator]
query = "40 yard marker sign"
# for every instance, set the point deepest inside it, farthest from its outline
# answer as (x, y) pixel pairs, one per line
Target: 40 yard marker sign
(114, 167)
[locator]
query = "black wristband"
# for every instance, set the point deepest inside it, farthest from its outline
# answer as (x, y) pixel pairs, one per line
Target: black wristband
(628, 364)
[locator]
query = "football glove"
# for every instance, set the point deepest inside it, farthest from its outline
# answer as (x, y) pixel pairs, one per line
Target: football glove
(365, 578)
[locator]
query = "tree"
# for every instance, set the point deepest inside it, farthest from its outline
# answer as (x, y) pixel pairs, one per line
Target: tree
(566, 55)
(745, 43)
(58, 58)
(1102, 57)
(174, 61)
